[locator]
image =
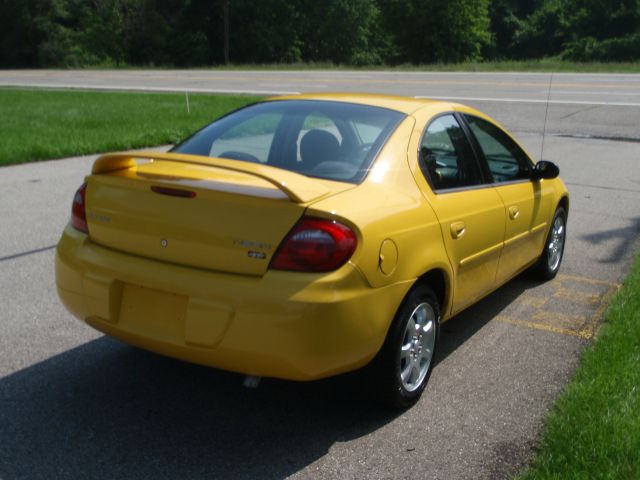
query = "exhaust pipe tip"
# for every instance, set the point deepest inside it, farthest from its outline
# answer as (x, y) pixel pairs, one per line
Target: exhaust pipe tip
(251, 381)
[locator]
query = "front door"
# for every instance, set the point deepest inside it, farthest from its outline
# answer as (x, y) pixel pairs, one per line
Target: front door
(525, 208)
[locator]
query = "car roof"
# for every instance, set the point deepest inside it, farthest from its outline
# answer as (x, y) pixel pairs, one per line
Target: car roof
(406, 105)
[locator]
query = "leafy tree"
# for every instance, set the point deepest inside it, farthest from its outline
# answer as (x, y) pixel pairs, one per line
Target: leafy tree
(57, 22)
(602, 19)
(360, 32)
(508, 18)
(428, 31)
(542, 34)
(603, 30)
(262, 32)
(18, 38)
(105, 27)
(342, 31)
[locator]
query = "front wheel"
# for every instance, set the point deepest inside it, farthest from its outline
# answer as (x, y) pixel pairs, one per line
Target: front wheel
(399, 373)
(549, 262)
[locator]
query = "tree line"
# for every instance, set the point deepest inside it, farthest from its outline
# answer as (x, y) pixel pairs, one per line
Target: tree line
(183, 33)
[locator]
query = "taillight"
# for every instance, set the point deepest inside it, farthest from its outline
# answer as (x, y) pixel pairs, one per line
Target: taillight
(315, 245)
(78, 214)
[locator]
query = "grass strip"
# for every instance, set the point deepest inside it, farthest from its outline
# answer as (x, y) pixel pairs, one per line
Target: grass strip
(45, 124)
(522, 66)
(593, 430)
(550, 64)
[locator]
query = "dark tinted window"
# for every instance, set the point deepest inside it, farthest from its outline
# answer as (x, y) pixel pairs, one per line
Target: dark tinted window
(446, 157)
(506, 159)
(332, 140)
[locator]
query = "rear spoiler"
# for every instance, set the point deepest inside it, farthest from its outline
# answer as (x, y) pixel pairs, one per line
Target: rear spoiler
(297, 187)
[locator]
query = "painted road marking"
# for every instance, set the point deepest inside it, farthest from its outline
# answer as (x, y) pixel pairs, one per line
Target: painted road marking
(594, 281)
(583, 302)
(539, 326)
(535, 302)
(575, 296)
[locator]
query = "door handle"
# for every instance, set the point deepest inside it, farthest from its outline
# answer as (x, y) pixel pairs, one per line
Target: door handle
(514, 212)
(457, 229)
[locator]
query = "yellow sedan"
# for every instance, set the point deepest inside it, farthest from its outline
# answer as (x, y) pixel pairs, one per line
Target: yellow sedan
(306, 236)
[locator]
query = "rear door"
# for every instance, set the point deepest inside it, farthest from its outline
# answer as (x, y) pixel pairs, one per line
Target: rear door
(470, 212)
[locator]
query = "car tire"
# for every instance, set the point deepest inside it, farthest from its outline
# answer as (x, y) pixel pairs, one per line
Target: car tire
(549, 262)
(399, 373)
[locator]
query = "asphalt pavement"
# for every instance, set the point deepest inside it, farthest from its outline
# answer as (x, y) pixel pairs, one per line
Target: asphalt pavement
(74, 403)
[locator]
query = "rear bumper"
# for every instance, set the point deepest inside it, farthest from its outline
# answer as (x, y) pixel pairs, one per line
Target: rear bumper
(283, 324)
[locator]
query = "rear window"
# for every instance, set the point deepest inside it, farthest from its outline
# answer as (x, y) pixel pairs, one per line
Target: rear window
(332, 140)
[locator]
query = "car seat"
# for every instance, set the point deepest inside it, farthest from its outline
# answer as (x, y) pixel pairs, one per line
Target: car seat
(318, 146)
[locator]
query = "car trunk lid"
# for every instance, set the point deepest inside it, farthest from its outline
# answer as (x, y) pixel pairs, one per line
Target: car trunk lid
(202, 212)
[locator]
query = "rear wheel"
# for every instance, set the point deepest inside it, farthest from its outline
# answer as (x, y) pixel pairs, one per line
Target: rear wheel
(399, 373)
(551, 258)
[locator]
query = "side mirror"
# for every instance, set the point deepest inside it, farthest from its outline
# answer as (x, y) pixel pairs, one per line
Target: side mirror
(545, 169)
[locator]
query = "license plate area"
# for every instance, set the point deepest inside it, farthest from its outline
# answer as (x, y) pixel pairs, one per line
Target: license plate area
(153, 313)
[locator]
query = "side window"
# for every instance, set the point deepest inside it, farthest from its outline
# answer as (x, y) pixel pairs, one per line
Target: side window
(249, 140)
(506, 159)
(446, 158)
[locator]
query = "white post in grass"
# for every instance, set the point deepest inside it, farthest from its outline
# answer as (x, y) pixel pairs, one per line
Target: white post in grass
(186, 96)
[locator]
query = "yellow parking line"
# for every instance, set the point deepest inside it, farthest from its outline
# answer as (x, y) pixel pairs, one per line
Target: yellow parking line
(578, 297)
(592, 281)
(592, 326)
(530, 301)
(556, 317)
(541, 326)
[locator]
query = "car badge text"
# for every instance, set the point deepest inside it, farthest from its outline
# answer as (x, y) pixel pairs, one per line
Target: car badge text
(251, 244)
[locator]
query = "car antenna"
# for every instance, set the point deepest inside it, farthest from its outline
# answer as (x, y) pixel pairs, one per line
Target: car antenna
(546, 112)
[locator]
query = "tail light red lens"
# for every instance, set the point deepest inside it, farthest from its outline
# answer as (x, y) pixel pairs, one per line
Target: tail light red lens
(78, 213)
(315, 245)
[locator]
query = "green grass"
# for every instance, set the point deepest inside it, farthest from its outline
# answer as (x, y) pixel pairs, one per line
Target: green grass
(593, 431)
(559, 66)
(539, 65)
(45, 124)
(542, 65)
(550, 64)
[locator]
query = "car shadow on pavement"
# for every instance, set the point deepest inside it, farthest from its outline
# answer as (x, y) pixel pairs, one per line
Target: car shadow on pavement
(460, 328)
(625, 237)
(106, 410)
